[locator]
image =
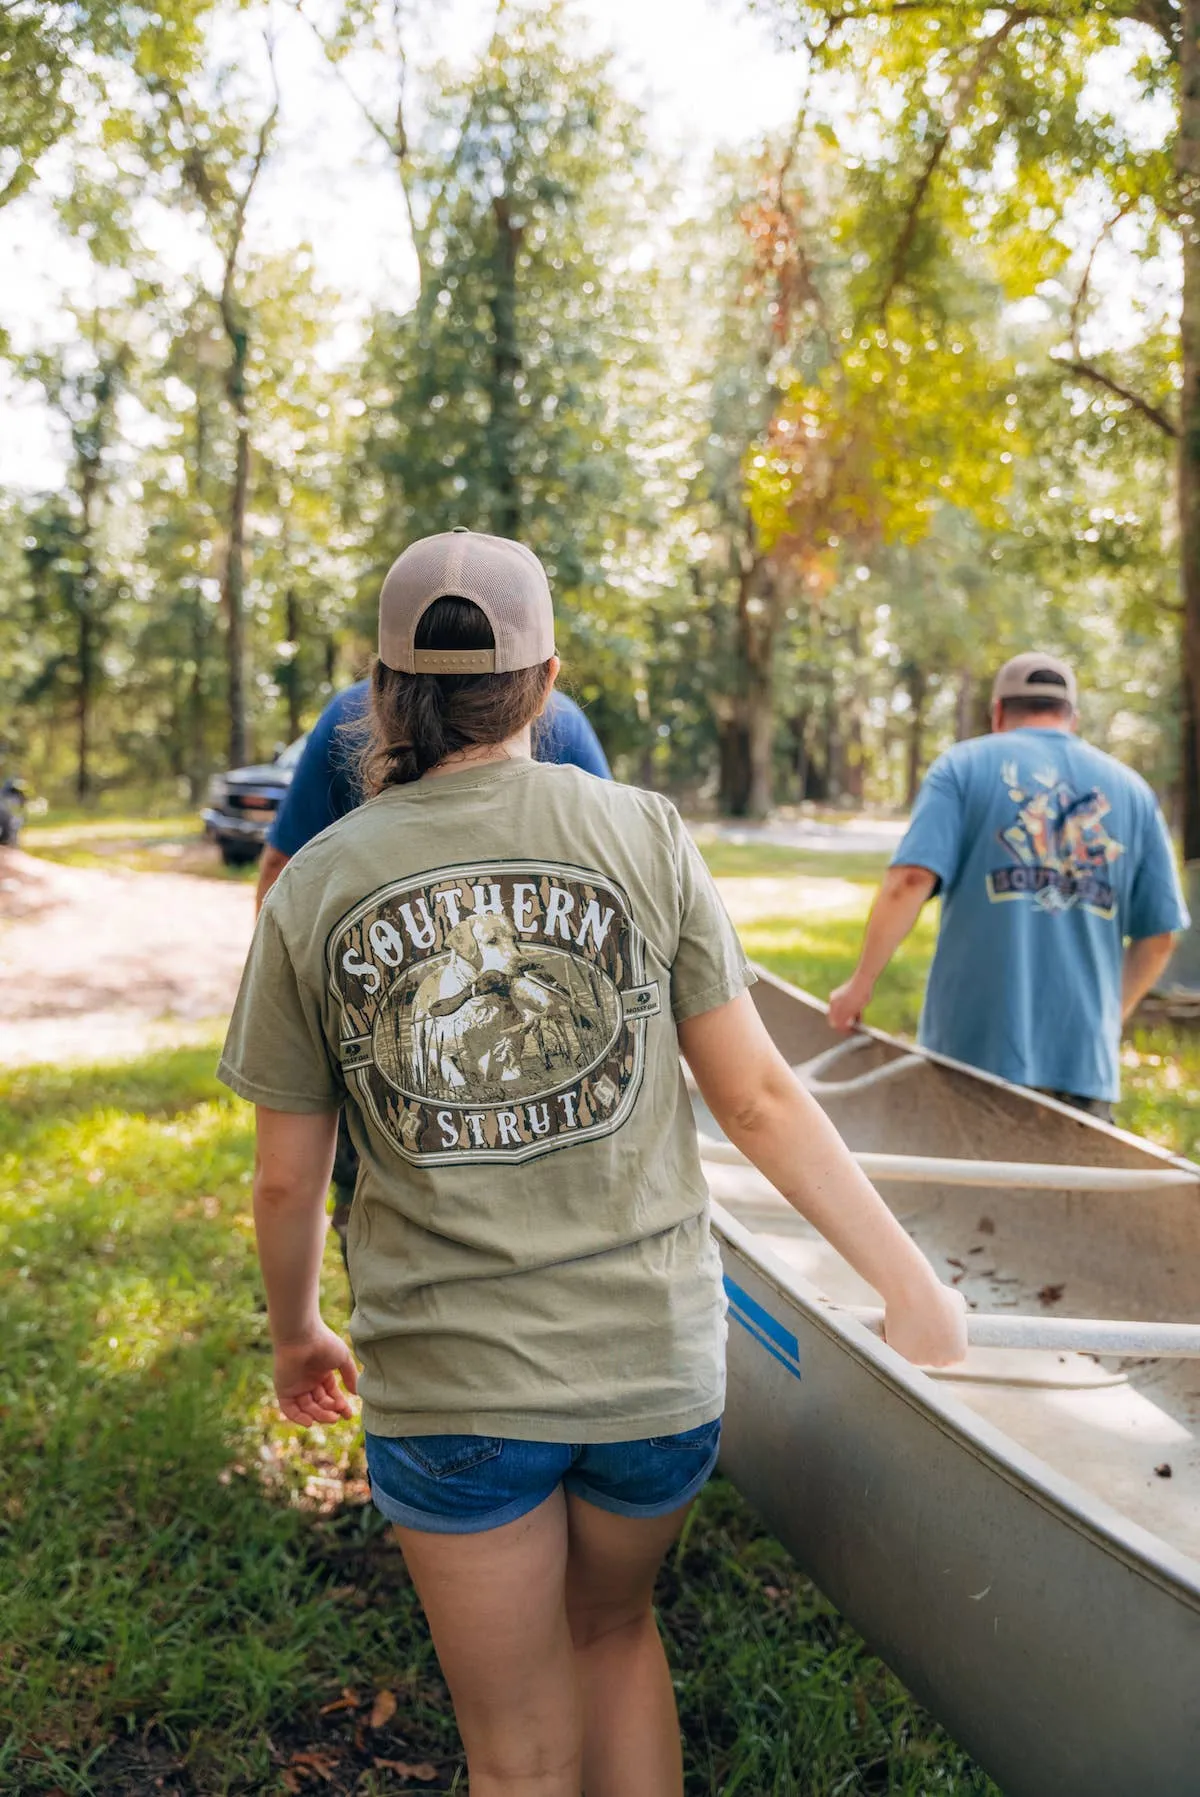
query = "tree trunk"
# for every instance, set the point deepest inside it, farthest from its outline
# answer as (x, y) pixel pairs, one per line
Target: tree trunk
(1189, 418)
(196, 757)
(964, 706)
(292, 670)
(917, 689)
(234, 580)
(825, 777)
(506, 365)
(85, 639)
(746, 770)
(760, 746)
(85, 654)
(800, 754)
(733, 743)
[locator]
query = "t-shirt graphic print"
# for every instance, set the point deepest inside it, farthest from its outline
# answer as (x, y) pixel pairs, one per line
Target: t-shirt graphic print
(1061, 851)
(493, 1012)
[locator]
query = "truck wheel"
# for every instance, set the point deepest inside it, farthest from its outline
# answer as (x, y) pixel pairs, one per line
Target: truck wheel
(9, 828)
(239, 854)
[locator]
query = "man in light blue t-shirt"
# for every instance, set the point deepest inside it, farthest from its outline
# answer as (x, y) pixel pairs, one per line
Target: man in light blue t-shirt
(1049, 856)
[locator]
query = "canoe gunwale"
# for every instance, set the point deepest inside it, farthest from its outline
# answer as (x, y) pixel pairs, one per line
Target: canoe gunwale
(1137, 1549)
(1163, 1156)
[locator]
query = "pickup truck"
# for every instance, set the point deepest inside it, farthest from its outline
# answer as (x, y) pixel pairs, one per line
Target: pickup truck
(242, 805)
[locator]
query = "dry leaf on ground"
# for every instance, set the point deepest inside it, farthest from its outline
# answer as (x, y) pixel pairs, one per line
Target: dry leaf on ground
(383, 1709)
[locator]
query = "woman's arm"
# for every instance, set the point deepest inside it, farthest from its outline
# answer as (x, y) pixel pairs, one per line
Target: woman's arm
(762, 1107)
(292, 1169)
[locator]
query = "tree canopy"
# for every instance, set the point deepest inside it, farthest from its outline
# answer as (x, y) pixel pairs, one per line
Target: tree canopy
(807, 448)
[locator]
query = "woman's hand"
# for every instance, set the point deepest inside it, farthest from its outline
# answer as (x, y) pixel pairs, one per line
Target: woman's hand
(928, 1325)
(306, 1378)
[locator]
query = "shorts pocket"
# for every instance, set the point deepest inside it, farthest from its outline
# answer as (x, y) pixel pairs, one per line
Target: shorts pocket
(441, 1456)
(699, 1441)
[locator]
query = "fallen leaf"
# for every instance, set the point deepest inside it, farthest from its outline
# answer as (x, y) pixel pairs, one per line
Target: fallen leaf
(320, 1765)
(403, 1769)
(951, 1262)
(1164, 1471)
(383, 1709)
(349, 1700)
(985, 1226)
(1050, 1294)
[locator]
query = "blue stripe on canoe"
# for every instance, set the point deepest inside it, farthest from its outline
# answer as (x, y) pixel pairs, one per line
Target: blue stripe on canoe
(779, 1342)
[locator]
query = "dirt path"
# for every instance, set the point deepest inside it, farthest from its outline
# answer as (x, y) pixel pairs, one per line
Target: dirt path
(96, 964)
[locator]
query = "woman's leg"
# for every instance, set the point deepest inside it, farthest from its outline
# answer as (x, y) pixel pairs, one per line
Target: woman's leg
(631, 1729)
(495, 1607)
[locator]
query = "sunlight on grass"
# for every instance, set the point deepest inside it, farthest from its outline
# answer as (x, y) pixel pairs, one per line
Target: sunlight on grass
(819, 952)
(190, 1582)
(758, 859)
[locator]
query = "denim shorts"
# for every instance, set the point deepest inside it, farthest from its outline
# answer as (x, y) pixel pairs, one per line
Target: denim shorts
(462, 1484)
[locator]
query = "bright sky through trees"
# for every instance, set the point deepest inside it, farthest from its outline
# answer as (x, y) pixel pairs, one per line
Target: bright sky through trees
(707, 74)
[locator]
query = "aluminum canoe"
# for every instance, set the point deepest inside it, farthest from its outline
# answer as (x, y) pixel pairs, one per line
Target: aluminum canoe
(1019, 1538)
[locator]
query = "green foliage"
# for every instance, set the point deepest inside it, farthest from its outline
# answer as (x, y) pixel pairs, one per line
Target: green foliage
(1001, 144)
(804, 465)
(47, 52)
(510, 398)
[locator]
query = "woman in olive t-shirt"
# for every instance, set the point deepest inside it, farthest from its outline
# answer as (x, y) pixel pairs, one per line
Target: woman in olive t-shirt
(495, 965)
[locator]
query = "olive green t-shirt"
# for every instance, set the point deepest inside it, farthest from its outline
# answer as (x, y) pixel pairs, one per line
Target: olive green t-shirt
(487, 967)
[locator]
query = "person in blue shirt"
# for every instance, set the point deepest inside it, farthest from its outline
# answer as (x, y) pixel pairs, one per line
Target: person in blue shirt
(324, 788)
(1050, 857)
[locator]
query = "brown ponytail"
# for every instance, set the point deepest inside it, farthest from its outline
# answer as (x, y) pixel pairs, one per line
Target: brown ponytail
(416, 720)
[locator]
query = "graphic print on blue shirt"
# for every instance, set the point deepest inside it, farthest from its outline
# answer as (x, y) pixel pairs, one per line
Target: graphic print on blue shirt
(1060, 849)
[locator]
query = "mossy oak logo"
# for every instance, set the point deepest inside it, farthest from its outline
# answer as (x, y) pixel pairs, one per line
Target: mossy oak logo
(493, 1013)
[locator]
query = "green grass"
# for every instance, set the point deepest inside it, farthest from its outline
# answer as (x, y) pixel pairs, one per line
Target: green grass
(58, 827)
(187, 1582)
(818, 952)
(774, 860)
(171, 844)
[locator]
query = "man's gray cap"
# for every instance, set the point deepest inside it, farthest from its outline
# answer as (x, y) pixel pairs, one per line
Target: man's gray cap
(1035, 676)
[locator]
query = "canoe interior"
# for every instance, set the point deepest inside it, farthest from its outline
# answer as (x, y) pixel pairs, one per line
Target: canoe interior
(1132, 1255)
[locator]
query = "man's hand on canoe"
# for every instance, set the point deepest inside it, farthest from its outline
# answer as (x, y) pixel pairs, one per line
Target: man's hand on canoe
(848, 1003)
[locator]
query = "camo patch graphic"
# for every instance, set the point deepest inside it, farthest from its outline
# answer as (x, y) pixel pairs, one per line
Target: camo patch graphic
(1060, 848)
(493, 1013)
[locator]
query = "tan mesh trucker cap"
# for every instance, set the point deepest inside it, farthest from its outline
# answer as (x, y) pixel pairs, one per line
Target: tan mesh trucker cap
(504, 579)
(1034, 676)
